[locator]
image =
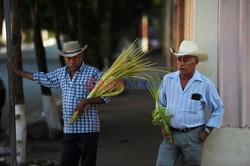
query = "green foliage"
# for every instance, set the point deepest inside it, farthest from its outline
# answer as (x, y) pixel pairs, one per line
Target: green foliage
(156, 6)
(160, 115)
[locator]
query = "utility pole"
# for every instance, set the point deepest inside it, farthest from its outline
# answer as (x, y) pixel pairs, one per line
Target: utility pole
(10, 79)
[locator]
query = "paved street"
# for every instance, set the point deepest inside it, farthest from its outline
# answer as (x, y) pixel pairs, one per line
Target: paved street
(128, 137)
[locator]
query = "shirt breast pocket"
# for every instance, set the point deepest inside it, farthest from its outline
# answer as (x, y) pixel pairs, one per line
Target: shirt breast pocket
(81, 90)
(194, 105)
(195, 102)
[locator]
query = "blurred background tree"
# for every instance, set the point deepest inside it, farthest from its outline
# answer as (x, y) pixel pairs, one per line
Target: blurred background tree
(103, 25)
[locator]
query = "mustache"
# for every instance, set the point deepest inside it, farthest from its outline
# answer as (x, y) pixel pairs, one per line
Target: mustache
(181, 68)
(72, 65)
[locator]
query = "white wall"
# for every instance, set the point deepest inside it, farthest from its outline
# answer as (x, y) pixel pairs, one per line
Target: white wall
(206, 35)
(226, 146)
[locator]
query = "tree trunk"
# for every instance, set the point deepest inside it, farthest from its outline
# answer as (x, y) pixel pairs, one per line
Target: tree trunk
(21, 131)
(1, 21)
(1, 25)
(2, 101)
(80, 22)
(71, 21)
(57, 30)
(7, 11)
(105, 48)
(49, 105)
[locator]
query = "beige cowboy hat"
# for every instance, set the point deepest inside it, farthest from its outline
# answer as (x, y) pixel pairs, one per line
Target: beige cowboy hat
(71, 49)
(190, 48)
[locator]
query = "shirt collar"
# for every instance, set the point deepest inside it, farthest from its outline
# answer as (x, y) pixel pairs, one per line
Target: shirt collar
(197, 76)
(82, 67)
(79, 70)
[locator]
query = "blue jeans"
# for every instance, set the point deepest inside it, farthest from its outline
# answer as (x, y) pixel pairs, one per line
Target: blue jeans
(185, 144)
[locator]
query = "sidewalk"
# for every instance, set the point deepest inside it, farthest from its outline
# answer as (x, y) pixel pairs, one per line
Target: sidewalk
(127, 138)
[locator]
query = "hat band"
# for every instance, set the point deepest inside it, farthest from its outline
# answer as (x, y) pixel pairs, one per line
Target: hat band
(72, 52)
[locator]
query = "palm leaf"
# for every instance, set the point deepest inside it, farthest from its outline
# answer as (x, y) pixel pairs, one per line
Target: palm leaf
(130, 63)
(160, 115)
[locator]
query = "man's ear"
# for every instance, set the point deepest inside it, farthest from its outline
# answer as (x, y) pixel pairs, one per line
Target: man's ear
(197, 61)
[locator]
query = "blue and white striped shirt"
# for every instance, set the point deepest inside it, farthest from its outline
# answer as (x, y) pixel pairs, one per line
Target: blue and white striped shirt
(73, 91)
(188, 105)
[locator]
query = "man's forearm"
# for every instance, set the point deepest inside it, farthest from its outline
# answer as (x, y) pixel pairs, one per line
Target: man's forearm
(95, 100)
(25, 74)
(84, 103)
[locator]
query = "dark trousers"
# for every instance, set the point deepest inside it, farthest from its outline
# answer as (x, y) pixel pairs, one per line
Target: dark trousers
(76, 146)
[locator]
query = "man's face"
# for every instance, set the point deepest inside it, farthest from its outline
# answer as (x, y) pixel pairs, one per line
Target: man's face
(74, 63)
(187, 64)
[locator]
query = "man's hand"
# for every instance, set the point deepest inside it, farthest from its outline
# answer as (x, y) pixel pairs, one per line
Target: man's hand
(80, 108)
(202, 135)
(14, 67)
(166, 135)
(82, 105)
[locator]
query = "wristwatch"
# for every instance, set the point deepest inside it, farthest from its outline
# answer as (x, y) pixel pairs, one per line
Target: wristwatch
(207, 130)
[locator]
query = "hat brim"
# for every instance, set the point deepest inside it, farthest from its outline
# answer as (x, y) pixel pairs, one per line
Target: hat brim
(65, 54)
(202, 56)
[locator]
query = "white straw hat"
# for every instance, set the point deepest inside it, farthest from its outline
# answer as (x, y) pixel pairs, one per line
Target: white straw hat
(190, 48)
(71, 49)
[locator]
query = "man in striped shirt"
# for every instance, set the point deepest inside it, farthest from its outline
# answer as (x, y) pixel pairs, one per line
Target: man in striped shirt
(184, 94)
(74, 80)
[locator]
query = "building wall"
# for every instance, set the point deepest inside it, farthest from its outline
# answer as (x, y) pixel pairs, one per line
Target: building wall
(201, 18)
(234, 80)
(227, 147)
(167, 37)
(206, 35)
(173, 30)
(221, 28)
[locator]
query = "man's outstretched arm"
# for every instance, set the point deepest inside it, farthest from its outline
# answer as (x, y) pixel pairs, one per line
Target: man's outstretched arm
(21, 73)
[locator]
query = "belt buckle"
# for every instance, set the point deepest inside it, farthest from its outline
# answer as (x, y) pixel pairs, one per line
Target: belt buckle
(183, 130)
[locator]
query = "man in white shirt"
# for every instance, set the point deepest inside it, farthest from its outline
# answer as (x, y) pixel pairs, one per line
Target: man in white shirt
(184, 94)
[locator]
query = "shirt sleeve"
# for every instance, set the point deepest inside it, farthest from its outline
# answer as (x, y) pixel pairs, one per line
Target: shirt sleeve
(215, 107)
(49, 80)
(162, 94)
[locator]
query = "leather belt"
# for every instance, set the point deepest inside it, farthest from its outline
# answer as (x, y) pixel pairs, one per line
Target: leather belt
(184, 130)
